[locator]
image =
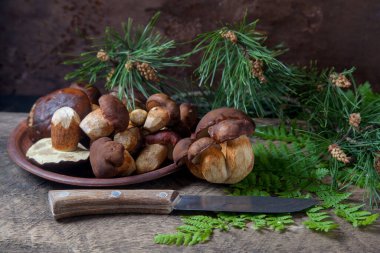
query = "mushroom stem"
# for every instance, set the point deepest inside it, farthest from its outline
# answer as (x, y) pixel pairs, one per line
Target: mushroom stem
(65, 131)
(95, 125)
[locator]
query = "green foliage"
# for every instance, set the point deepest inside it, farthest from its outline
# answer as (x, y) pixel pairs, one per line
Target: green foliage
(133, 45)
(283, 169)
(319, 221)
(355, 215)
(332, 198)
(279, 222)
(229, 64)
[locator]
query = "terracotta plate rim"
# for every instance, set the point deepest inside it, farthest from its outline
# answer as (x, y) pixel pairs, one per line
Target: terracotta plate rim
(19, 135)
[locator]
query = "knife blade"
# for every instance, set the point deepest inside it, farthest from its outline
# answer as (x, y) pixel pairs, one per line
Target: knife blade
(69, 203)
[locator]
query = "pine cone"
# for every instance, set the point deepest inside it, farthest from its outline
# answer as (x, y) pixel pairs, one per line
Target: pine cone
(230, 35)
(355, 119)
(257, 70)
(147, 71)
(110, 74)
(340, 80)
(102, 55)
(337, 153)
(129, 65)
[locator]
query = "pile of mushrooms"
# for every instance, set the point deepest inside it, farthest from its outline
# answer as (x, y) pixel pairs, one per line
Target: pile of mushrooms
(219, 150)
(120, 142)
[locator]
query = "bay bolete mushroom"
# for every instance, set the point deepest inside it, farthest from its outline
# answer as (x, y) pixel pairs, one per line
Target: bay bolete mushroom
(91, 91)
(131, 139)
(138, 117)
(164, 137)
(150, 158)
(162, 111)
(188, 119)
(42, 111)
(111, 116)
(225, 155)
(63, 147)
(109, 159)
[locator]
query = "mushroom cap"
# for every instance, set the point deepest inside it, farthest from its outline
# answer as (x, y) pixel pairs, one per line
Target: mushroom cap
(44, 108)
(114, 111)
(197, 147)
(164, 137)
(105, 157)
(163, 100)
(215, 116)
(180, 150)
(189, 114)
(230, 129)
(43, 154)
(92, 92)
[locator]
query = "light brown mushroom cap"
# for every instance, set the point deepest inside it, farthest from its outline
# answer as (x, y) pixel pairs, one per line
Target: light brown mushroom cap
(138, 117)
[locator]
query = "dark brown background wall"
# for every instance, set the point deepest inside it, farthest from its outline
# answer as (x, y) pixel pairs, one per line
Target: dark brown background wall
(37, 35)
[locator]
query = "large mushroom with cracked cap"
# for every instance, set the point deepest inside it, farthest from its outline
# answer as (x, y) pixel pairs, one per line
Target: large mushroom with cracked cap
(63, 148)
(162, 112)
(42, 111)
(112, 115)
(109, 159)
(220, 150)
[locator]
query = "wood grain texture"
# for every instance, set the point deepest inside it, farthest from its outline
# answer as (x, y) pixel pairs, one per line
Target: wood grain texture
(26, 224)
(70, 203)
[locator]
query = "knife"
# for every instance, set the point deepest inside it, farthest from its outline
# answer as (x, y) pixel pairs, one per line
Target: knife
(68, 203)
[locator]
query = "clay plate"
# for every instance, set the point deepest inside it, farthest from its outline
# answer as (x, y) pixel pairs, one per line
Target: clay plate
(19, 142)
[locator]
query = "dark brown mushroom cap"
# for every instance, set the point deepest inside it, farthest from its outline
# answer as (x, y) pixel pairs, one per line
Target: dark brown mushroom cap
(44, 108)
(92, 92)
(105, 156)
(114, 111)
(189, 115)
(215, 116)
(198, 146)
(230, 129)
(163, 100)
(180, 150)
(164, 137)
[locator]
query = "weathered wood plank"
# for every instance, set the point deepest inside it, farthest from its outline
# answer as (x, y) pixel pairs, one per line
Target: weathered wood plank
(26, 224)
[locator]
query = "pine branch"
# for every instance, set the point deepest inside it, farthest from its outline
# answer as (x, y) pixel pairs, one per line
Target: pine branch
(131, 61)
(247, 74)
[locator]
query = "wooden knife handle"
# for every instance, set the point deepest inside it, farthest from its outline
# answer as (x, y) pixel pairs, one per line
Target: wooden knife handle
(68, 203)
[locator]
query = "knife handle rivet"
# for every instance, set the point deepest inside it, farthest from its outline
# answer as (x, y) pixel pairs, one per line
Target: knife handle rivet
(162, 195)
(115, 194)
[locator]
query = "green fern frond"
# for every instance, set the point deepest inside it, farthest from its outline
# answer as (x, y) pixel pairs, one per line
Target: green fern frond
(332, 198)
(279, 222)
(319, 220)
(258, 220)
(355, 215)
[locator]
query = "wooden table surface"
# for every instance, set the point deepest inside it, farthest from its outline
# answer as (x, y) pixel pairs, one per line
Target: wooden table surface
(26, 224)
